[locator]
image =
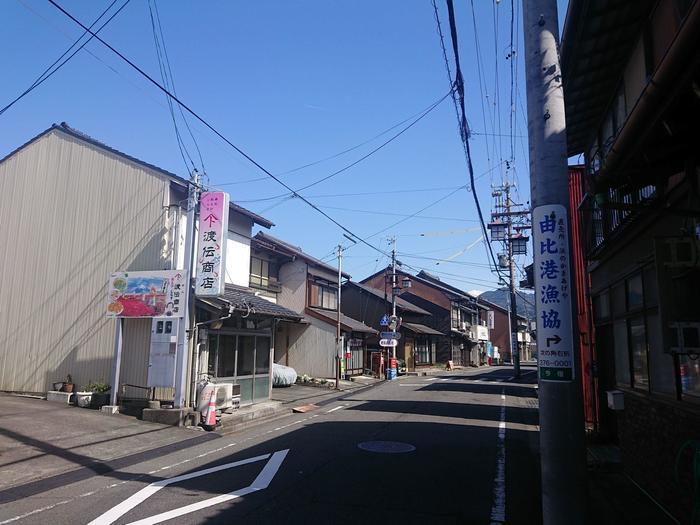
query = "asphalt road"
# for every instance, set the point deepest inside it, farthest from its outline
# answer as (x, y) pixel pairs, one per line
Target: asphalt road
(470, 441)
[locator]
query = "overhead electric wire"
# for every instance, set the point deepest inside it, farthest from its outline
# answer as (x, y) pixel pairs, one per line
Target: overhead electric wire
(184, 153)
(295, 193)
(461, 114)
(172, 84)
(218, 133)
(376, 212)
(49, 71)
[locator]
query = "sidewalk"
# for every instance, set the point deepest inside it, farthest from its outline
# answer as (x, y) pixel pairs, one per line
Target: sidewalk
(45, 443)
(300, 394)
(613, 497)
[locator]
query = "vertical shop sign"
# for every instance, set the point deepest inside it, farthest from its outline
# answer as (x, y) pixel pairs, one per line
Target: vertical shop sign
(211, 245)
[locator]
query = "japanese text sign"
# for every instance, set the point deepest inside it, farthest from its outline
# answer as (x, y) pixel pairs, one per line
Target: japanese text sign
(146, 294)
(211, 245)
(555, 353)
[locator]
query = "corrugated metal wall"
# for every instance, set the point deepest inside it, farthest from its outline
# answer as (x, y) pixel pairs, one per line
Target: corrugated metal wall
(293, 281)
(72, 213)
(312, 349)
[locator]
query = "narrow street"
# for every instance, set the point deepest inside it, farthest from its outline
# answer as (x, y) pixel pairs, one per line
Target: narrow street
(459, 447)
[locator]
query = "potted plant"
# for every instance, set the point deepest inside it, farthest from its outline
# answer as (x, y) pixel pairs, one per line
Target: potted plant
(67, 384)
(93, 395)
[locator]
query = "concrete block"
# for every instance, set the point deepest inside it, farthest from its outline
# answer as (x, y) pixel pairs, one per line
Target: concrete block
(109, 410)
(171, 416)
(59, 397)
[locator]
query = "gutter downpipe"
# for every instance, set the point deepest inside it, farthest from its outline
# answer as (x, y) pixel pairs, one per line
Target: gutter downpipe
(650, 103)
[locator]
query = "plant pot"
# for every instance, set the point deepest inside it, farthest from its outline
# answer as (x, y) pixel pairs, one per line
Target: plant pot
(58, 386)
(83, 399)
(99, 399)
(67, 387)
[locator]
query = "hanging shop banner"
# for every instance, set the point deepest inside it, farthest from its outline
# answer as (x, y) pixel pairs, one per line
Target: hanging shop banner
(146, 294)
(555, 353)
(211, 245)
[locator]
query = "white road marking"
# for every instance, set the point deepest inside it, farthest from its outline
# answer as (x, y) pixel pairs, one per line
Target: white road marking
(334, 409)
(410, 384)
(136, 476)
(431, 379)
(260, 483)
(498, 509)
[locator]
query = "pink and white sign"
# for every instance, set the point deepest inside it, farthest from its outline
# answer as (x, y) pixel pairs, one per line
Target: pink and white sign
(211, 245)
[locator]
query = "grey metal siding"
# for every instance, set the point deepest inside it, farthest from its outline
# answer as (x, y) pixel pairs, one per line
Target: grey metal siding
(293, 282)
(72, 213)
(312, 349)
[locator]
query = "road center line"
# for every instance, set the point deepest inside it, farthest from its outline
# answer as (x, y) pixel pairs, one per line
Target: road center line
(334, 409)
(498, 508)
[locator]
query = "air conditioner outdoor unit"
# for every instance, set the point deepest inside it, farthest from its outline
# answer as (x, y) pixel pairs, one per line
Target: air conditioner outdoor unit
(228, 396)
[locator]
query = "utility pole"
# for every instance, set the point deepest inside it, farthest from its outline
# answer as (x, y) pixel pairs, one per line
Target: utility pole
(562, 445)
(393, 287)
(187, 321)
(508, 222)
(338, 338)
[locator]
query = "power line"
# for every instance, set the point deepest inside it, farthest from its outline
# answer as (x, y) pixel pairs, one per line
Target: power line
(217, 133)
(372, 152)
(49, 71)
(458, 84)
(172, 84)
(184, 153)
(376, 212)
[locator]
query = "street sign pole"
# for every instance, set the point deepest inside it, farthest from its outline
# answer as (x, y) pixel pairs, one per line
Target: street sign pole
(562, 444)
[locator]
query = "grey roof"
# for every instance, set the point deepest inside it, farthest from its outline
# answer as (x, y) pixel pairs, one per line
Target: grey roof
(273, 243)
(244, 300)
(420, 329)
(346, 322)
(401, 303)
(65, 128)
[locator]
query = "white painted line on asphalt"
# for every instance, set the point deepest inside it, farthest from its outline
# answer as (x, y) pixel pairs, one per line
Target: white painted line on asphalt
(431, 379)
(334, 409)
(498, 508)
(410, 384)
(35, 511)
(132, 501)
(260, 483)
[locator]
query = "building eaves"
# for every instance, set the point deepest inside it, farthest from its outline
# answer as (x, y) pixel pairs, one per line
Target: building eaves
(347, 323)
(598, 39)
(245, 300)
(420, 329)
(182, 183)
(275, 244)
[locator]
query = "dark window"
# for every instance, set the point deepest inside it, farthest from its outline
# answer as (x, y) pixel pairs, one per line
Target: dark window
(635, 294)
(323, 296)
(259, 272)
(638, 346)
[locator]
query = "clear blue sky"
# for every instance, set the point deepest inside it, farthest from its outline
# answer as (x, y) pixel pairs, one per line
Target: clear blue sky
(292, 83)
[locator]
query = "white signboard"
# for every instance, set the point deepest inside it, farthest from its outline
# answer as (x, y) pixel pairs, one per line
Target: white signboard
(388, 343)
(211, 246)
(482, 333)
(490, 316)
(555, 353)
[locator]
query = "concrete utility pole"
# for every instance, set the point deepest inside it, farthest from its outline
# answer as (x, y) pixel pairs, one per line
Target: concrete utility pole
(514, 349)
(187, 321)
(393, 287)
(562, 445)
(338, 338)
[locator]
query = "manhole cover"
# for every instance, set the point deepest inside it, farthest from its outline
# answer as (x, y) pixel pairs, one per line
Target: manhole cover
(386, 447)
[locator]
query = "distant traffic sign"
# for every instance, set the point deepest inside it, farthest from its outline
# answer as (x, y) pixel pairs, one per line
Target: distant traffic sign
(390, 335)
(388, 343)
(384, 321)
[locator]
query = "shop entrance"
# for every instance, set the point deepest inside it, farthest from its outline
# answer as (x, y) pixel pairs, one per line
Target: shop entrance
(244, 359)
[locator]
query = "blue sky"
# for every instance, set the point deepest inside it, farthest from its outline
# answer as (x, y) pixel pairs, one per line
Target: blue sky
(292, 83)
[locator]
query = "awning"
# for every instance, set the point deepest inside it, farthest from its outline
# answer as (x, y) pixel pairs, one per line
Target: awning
(347, 324)
(420, 329)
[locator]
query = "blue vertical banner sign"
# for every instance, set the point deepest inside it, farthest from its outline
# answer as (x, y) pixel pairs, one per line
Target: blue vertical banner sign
(555, 352)
(211, 244)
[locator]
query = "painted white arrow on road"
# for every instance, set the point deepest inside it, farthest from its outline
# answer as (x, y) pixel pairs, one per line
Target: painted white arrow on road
(261, 482)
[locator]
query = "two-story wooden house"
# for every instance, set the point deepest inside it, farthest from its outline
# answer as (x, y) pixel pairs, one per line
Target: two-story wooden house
(293, 279)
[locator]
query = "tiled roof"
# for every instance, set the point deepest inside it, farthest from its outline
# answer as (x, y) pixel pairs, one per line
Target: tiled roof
(348, 323)
(65, 128)
(401, 303)
(244, 300)
(420, 329)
